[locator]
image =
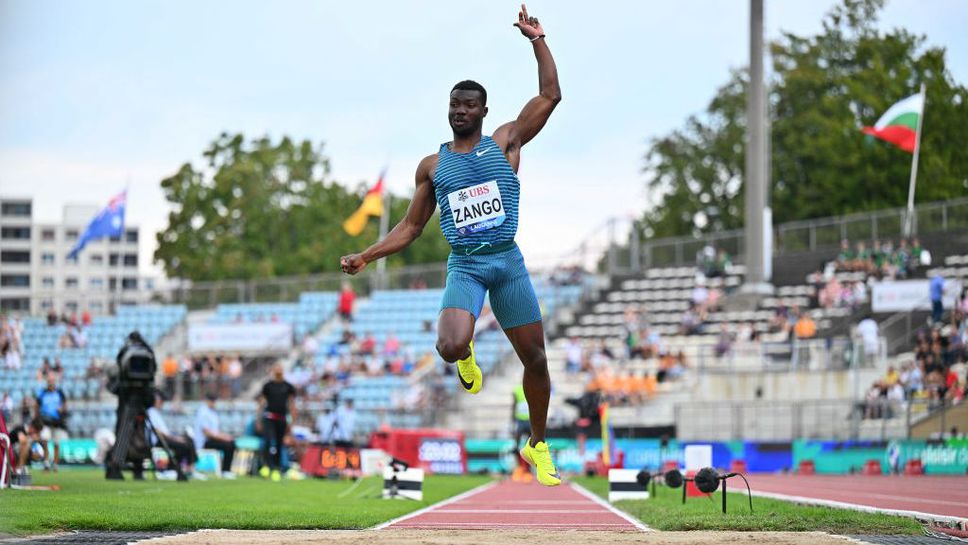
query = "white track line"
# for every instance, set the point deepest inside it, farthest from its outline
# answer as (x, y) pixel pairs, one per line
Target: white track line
(634, 522)
(448, 501)
(961, 521)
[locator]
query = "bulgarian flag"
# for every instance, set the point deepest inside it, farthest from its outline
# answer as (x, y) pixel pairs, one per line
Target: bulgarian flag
(372, 206)
(900, 123)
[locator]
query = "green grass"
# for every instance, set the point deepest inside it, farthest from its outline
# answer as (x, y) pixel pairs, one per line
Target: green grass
(87, 502)
(666, 512)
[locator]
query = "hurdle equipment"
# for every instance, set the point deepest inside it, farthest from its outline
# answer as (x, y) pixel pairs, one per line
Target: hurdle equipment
(626, 484)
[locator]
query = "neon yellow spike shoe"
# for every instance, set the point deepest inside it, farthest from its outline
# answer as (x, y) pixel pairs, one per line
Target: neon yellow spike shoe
(469, 374)
(539, 457)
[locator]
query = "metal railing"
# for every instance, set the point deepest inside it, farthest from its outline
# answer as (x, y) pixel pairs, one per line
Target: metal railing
(813, 234)
(777, 420)
(833, 354)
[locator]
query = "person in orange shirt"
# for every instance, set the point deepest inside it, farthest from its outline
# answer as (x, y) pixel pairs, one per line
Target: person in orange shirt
(169, 369)
(806, 328)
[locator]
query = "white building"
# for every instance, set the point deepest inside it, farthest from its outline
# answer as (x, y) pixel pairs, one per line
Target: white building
(37, 276)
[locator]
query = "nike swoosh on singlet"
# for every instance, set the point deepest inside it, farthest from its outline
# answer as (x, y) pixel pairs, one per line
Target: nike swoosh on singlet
(483, 151)
(464, 383)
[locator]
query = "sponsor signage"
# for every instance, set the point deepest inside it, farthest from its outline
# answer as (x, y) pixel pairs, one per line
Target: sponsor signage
(255, 337)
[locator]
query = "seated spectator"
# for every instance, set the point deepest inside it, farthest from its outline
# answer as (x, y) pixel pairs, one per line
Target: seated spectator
(22, 440)
(846, 256)
(208, 434)
(367, 345)
(10, 352)
(700, 297)
(391, 346)
(180, 444)
(51, 318)
(86, 318)
(806, 327)
(649, 343)
(574, 355)
(6, 407)
(862, 259)
(691, 322)
(724, 343)
(920, 257)
(169, 370)
(780, 319)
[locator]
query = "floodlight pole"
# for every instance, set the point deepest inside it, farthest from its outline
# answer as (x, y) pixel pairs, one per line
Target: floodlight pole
(758, 249)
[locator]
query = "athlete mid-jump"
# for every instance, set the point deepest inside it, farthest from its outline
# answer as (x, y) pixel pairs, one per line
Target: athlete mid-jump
(473, 179)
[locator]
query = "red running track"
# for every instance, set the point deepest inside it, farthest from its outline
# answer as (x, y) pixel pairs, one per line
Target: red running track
(928, 494)
(514, 506)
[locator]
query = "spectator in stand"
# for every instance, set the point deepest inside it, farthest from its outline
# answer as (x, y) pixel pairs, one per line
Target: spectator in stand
(345, 424)
(391, 345)
(724, 343)
(169, 370)
(649, 343)
(700, 296)
(347, 298)
(51, 318)
(6, 407)
(806, 327)
(86, 318)
(920, 257)
(277, 401)
(574, 355)
(209, 435)
(367, 345)
(862, 258)
(57, 370)
(691, 322)
(181, 445)
(870, 338)
(235, 375)
(937, 297)
(846, 257)
(10, 352)
(52, 410)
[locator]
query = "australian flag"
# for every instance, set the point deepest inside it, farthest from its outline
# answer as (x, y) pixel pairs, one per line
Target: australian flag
(109, 222)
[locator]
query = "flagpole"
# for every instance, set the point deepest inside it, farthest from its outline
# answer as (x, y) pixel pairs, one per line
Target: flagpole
(909, 220)
(120, 265)
(381, 265)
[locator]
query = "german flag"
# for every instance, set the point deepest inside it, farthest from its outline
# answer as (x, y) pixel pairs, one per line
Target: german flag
(372, 206)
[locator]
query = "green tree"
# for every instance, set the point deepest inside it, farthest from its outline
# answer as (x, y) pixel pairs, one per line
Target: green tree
(823, 89)
(261, 209)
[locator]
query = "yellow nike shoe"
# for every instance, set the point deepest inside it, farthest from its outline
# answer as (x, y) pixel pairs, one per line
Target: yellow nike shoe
(539, 457)
(469, 374)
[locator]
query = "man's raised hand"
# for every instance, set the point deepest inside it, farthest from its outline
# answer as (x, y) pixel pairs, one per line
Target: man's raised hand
(352, 264)
(529, 26)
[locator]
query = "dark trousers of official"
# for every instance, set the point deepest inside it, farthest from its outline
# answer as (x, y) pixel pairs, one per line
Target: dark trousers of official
(273, 432)
(228, 451)
(182, 449)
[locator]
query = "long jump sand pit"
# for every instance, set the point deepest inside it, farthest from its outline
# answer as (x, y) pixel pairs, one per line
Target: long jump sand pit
(490, 537)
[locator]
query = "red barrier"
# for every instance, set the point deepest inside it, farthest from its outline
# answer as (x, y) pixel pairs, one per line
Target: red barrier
(737, 466)
(913, 467)
(872, 467)
(807, 467)
(433, 450)
(669, 465)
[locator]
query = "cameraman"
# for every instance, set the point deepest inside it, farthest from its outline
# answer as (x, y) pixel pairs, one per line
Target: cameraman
(52, 410)
(133, 382)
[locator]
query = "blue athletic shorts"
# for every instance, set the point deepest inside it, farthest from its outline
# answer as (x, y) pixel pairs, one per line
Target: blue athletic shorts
(504, 275)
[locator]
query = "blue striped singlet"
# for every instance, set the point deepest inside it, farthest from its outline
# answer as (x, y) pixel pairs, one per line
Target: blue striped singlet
(478, 195)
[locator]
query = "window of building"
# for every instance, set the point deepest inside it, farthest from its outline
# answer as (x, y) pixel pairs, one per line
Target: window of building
(15, 233)
(97, 259)
(115, 239)
(47, 282)
(70, 260)
(131, 235)
(97, 284)
(97, 307)
(15, 304)
(71, 234)
(15, 280)
(70, 282)
(129, 283)
(130, 260)
(15, 256)
(113, 260)
(71, 306)
(21, 209)
(46, 304)
(48, 235)
(47, 258)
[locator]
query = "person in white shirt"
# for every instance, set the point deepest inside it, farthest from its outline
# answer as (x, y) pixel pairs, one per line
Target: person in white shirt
(180, 445)
(870, 335)
(208, 434)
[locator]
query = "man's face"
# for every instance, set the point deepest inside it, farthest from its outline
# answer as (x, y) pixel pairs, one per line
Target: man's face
(51, 385)
(466, 112)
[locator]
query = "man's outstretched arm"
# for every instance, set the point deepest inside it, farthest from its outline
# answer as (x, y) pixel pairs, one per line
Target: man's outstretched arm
(536, 112)
(418, 214)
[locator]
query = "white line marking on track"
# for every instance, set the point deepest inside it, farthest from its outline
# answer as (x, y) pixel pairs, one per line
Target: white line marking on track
(634, 522)
(521, 511)
(860, 507)
(448, 501)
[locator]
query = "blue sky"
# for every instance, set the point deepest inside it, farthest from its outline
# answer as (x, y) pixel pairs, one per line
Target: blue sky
(100, 94)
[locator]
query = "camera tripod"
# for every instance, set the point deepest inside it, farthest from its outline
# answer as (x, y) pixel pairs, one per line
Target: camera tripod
(133, 418)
